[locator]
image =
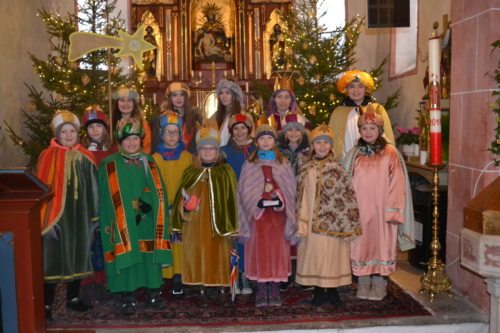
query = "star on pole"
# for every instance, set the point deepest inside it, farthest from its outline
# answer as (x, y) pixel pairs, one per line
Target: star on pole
(134, 45)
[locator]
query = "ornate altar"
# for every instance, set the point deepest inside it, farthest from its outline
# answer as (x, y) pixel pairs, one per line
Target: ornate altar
(202, 41)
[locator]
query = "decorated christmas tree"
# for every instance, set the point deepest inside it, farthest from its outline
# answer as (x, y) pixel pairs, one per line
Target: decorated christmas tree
(315, 56)
(70, 85)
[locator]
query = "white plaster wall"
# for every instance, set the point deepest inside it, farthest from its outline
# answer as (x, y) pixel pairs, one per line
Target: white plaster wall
(374, 45)
(21, 32)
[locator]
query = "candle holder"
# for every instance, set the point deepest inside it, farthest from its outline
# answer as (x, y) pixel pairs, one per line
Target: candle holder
(435, 280)
(212, 68)
(197, 82)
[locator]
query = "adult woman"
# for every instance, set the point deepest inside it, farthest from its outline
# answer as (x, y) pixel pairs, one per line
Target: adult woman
(230, 102)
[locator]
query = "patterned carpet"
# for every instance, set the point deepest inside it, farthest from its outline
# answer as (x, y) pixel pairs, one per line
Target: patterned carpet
(187, 311)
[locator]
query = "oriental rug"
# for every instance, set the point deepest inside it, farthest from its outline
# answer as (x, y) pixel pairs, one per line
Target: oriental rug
(188, 311)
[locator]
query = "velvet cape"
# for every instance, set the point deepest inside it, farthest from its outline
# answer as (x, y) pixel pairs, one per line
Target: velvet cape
(222, 196)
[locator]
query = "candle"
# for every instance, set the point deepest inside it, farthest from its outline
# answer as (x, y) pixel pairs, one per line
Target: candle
(434, 102)
(225, 73)
(232, 72)
(192, 73)
(154, 99)
(246, 87)
(434, 58)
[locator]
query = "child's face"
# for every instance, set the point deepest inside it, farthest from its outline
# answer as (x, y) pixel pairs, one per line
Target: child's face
(321, 147)
(171, 136)
(240, 133)
(126, 106)
(208, 154)
(283, 101)
(356, 92)
(293, 135)
(369, 133)
(226, 98)
(266, 142)
(131, 144)
(177, 99)
(68, 136)
(95, 131)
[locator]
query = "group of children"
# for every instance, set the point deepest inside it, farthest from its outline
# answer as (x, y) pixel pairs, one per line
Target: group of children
(229, 189)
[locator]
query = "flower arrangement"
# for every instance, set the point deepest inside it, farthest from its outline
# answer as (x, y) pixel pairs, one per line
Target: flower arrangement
(407, 136)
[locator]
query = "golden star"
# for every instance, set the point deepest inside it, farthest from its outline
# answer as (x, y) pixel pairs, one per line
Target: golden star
(134, 45)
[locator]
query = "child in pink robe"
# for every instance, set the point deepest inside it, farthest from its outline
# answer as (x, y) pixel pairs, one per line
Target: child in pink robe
(378, 177)
(266, 213)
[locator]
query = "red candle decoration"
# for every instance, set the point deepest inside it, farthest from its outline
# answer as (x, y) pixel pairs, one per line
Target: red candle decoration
(434, 102)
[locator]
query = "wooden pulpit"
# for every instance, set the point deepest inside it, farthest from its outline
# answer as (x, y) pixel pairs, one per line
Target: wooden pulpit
(21, 195)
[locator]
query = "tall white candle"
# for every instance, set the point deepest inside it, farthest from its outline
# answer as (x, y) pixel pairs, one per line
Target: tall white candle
(434, 58)
(434, 93)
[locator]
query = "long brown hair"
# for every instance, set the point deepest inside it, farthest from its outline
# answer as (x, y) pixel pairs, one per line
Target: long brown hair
(106, 141)
(190, 114)
(221, 112)
(117, 115)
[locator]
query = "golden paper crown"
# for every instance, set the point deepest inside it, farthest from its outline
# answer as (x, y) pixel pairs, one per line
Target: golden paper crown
(127, 127)
(178, 86)
(64, 117)
(371, 114)
(208, 135)
(283, 82)
(322, 131)
(124, 92)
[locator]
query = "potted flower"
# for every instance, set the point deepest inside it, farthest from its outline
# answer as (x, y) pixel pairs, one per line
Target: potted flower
(408, 139)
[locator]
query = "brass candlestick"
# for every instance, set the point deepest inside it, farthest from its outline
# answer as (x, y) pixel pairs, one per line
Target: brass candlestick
(435, 280)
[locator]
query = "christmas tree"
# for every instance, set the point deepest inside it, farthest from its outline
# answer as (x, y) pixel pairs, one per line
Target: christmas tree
(70, 85)
(315, 56)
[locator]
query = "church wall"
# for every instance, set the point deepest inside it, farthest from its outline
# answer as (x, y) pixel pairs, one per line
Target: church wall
(472, 123)
(21, 33)
(475, 27)
(375, 44)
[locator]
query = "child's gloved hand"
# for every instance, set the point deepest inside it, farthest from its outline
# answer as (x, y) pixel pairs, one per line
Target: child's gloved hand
(191, 202)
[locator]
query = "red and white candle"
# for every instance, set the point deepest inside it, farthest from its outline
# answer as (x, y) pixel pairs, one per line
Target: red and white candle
(435, 102)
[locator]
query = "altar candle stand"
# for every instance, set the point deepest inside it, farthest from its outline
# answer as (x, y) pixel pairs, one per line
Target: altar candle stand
(435, 280)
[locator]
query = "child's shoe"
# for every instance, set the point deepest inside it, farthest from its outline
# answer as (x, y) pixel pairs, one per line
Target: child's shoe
(364, 283)
(261, 296)
(378, 290)
(318, 296)
(274, 294)
(333, 296)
